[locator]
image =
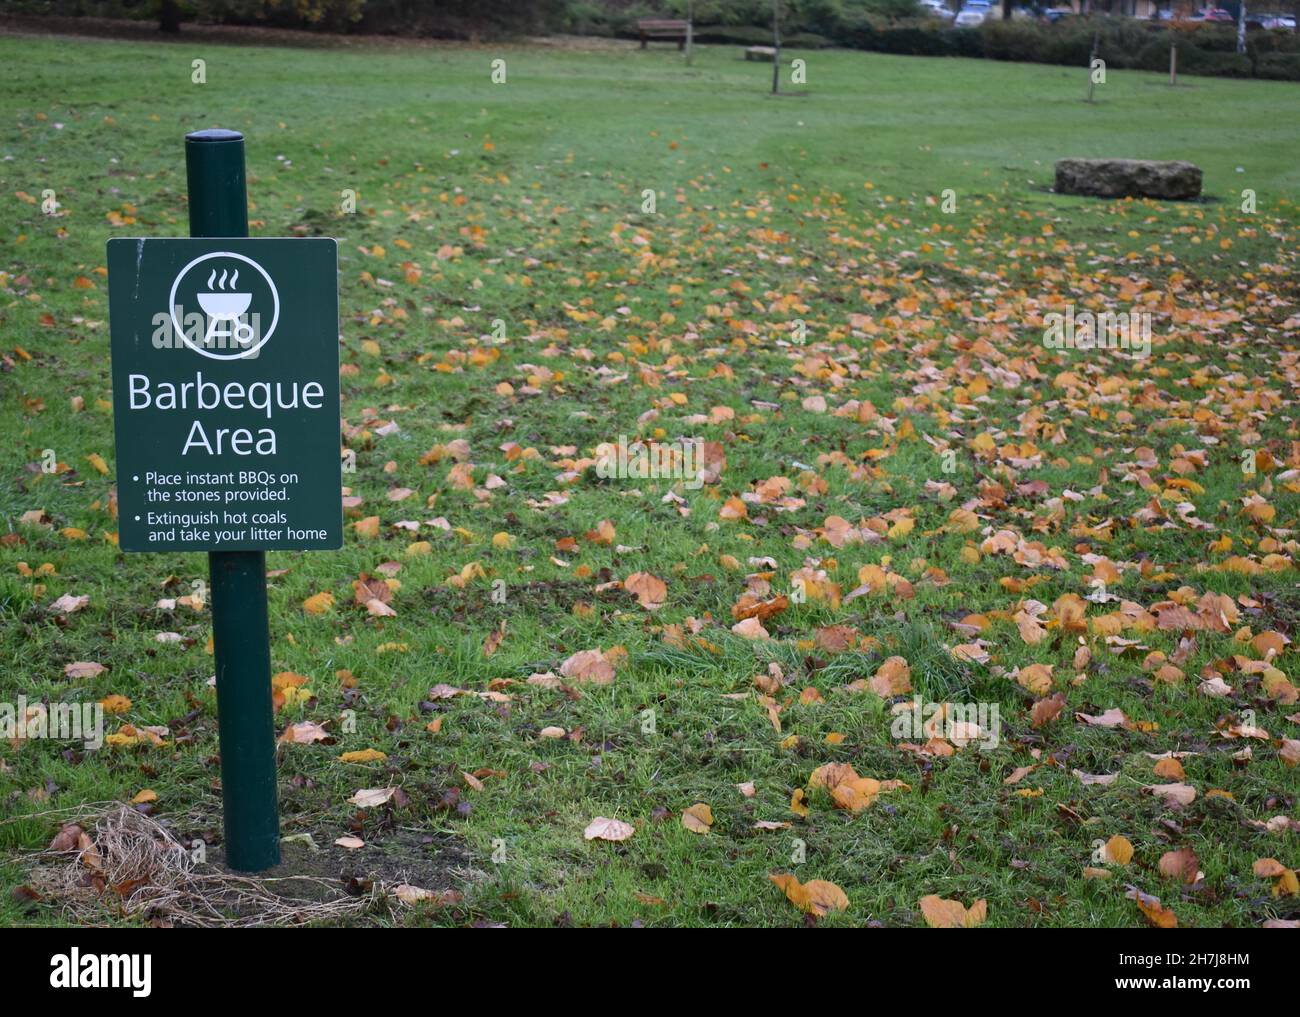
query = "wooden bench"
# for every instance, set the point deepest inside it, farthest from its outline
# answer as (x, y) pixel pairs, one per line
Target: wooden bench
(767, 53)
(662, 29)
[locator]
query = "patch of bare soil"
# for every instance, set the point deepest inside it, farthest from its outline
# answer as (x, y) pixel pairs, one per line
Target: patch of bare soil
(120, 862)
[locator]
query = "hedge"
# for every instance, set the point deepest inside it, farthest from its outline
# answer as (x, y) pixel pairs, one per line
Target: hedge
(1205, 49)
(1124, 43)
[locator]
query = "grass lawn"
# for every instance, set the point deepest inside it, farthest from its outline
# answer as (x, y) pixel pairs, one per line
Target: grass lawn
(1079, 522)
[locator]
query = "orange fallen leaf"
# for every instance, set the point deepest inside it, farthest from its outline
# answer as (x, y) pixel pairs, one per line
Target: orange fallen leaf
(892, 678)
(649, 590)
(940, 913)
(1117, 851)
(318, 603)
(816, 897)
(1156, 913)
(588, 666)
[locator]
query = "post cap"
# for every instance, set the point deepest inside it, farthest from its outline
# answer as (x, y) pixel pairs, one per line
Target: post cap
(213, 134)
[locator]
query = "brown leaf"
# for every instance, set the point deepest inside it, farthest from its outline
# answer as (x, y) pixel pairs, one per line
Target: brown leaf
(1156, 913)
(83, 669)
(588, 666)
(304, 733)
(1181, 794)
(750, 628)
(1047, 710)
(1182, 865)
(493, 640)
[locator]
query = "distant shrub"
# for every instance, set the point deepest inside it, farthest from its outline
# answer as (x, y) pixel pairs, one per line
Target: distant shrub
(1279, 66)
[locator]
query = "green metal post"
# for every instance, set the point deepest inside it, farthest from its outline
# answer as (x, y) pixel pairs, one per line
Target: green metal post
(214, 166)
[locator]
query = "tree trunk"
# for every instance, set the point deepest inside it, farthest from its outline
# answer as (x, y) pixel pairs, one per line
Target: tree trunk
(169, 16)
(776, 46)
(690, 32)
(1096, 38)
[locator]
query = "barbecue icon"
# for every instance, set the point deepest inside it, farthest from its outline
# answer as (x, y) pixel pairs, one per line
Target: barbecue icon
(225, 305)
(239, 301)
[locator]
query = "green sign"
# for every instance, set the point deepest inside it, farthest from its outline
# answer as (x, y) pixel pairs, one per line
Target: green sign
(226, 394)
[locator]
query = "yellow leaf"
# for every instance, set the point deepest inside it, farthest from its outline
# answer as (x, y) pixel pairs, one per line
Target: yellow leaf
(901, 528)
(698, 818)
(363, 756)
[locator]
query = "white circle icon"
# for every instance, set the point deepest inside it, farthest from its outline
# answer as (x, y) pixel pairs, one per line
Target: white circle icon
(228, 333)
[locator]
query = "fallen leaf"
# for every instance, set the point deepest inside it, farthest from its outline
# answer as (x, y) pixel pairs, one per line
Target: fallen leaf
(698, 818)
(952, 914)
(816, 897)
(368, 798)
(602, 828)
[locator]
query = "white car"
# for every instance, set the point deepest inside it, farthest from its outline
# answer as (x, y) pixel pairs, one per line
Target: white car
(969, 17)
(936, 9)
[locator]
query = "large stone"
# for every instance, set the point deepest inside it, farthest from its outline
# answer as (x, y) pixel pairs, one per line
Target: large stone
(1128, 178)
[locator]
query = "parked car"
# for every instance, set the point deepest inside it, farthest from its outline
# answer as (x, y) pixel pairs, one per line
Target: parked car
(1285, 22)
(1216, 14)
(937, 9)
(1055, 14)
(972, 15)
